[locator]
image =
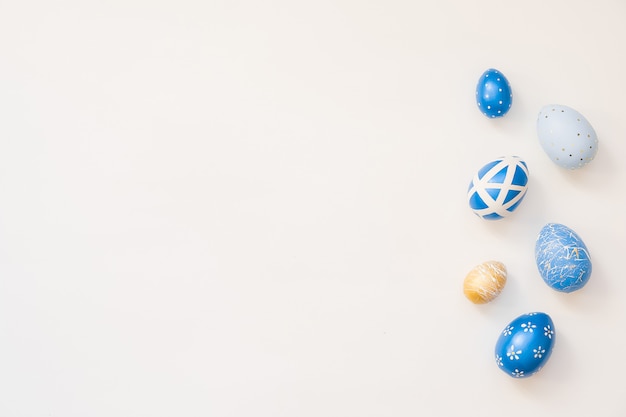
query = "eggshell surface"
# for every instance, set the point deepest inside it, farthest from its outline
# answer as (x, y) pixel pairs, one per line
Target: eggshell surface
(484, 282)
(562, 258)
(493, 94)
(566, 136)
(525, 345)
(498, 187)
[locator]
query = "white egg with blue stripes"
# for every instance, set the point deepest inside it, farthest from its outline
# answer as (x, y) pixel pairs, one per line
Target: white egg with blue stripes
(498, 188)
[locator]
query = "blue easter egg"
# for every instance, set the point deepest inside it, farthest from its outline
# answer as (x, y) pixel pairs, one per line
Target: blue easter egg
(566, 136)
(493, 94)
(562, 258)
(525, 345)
(498, 188)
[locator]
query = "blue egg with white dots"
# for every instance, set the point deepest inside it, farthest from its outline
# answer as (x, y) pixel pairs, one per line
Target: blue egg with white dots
(525, 345)
(493, 94)
(562, 258)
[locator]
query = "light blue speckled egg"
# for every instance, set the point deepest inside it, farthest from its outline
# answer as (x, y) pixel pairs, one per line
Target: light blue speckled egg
(562, 258)
(566, 136)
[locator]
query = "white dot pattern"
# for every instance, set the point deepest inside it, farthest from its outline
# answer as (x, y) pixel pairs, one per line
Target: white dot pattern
(493, 94)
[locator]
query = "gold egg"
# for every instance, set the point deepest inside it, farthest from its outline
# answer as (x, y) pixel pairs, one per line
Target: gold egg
(485, 282)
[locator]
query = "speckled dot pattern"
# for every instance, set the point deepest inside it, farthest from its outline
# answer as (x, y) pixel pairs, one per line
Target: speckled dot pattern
(494, 96)
(566, 136)
(562, 258)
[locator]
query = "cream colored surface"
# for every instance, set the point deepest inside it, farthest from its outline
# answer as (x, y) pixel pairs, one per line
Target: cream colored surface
(258, 208)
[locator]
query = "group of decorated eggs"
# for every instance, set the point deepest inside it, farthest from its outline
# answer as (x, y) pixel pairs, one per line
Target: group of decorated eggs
(496, 190)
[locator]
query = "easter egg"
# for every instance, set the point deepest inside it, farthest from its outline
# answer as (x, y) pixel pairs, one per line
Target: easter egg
(484, 282)
(498, 187)
(566, 136)
(525, 345)
(562, 258)
(493, 94)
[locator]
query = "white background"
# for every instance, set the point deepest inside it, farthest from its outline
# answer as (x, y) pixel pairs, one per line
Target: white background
(258, 208)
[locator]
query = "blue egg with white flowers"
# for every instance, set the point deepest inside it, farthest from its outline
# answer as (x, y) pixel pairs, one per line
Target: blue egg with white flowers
(493, 94)
(525, 345)
(562, 258)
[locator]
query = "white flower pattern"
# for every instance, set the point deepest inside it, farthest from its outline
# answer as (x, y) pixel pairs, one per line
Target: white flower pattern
(517, 373)
(513, 354)
(547, 331)
(539, 352)
(499, 360)
(528, 327)
(507, 331)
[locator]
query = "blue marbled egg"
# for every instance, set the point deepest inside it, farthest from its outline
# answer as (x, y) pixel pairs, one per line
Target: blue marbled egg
(498, 187)
(562, 258)
(525, 345)
(493, 94)
(566, 136)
